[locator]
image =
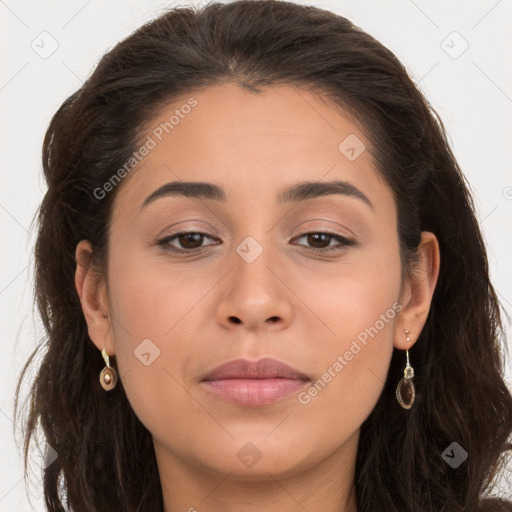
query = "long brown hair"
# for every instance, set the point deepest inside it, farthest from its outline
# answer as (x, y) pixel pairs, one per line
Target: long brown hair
(106, 459)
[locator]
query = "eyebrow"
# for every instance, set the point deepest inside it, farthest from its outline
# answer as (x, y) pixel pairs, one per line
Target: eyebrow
(297, 192)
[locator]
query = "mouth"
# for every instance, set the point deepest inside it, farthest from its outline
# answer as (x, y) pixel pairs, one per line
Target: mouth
(254, 383)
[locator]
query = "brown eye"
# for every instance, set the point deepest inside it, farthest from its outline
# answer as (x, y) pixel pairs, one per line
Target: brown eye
(187, 241)
(190, 240)
(320, 241)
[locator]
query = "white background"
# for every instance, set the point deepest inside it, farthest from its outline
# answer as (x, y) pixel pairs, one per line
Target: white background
(472, 93)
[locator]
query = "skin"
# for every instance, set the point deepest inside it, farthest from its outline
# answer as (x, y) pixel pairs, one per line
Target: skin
(293, 304)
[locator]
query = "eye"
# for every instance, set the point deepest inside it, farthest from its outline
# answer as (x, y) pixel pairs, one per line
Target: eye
(191, 241)
(319, 238)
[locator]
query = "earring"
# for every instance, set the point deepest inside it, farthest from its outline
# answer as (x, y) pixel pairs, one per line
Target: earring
(108, 376)
(405, 392)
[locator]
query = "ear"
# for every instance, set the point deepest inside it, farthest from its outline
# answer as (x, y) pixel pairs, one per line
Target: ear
(92, 290)
(418, 292)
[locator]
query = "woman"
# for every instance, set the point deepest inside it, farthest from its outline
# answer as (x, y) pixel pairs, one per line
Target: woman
(262, 280)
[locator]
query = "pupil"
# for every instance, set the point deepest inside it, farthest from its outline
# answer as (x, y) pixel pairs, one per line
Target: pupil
(317, 236)
(189, 237)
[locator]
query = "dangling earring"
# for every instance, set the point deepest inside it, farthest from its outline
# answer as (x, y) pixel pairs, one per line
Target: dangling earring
(108, 376)
(405, 391)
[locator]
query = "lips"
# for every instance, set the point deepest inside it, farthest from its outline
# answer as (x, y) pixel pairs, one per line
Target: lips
(254, 383)
(266, 368)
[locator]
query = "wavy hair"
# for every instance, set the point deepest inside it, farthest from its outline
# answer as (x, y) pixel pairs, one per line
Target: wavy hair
(106, 459)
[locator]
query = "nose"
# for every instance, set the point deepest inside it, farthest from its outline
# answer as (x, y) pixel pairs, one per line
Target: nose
(256, 295)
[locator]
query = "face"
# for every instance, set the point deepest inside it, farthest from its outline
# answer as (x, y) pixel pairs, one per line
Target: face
(311, 280)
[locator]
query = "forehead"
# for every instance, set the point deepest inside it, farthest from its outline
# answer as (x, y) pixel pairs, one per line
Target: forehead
(252, 144)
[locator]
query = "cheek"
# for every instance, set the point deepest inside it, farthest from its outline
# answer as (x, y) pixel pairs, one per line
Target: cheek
(152, 298)
(353, 295)
(352, 368)
(360, 306)
(158, 338)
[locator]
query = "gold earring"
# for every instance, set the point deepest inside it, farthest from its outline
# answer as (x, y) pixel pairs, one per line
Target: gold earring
(108, 376)
(405, 392)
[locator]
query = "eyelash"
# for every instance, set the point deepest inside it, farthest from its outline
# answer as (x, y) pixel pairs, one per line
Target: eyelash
(164, 242)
